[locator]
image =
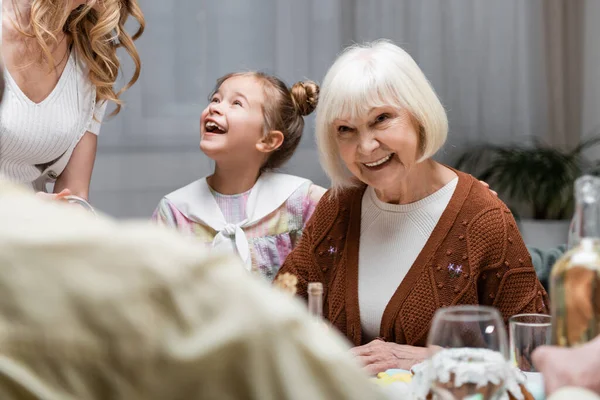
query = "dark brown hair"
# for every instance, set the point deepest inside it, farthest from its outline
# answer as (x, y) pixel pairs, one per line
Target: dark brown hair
(284, 110)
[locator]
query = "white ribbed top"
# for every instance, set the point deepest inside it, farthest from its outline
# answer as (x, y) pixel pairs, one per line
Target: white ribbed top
(34, 134)
(391, 238)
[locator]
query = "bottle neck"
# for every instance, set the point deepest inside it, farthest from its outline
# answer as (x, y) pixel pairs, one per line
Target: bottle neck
(585, 222)
(315, 299)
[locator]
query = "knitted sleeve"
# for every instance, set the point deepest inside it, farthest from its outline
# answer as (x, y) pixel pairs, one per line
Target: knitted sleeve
(506, 278)
(302, 262)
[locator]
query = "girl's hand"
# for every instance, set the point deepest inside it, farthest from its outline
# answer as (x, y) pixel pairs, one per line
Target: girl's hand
(488, 186)
(577, 366)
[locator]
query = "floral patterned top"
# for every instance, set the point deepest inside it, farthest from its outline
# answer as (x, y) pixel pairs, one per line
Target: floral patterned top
(270, 239)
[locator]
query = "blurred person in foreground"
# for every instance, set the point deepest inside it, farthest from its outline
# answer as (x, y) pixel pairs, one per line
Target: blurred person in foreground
(94, 309)
(570, 373)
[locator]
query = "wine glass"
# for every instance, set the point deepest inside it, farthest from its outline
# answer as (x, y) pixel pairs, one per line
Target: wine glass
(79, 201)
(527, 332)
(469, 353)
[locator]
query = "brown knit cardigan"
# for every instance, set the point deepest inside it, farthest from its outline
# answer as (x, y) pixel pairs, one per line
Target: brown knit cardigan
(475, 255)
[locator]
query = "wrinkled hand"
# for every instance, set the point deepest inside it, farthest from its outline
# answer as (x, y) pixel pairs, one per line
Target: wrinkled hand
(569, 366)
(488, 186)
(379, 356)
(54, 196)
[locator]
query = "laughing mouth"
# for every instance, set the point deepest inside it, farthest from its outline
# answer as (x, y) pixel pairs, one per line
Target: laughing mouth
(213, 127)
(379, 162)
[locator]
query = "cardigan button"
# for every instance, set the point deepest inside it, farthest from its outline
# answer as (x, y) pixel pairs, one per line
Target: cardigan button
(465, 257)
(440, 285)
(466, 275)
(510, 240)
(491, 295)
(465, 222)
(461, 237)
(456, 290)
(498, 275)
(449, 252)
(439, 268)
(506, 263)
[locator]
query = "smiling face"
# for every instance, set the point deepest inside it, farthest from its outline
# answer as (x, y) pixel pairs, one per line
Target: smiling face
(363, 83)
(379, 147)
(233, 122)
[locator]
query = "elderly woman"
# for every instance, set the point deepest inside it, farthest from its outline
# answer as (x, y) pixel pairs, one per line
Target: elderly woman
(399, 235)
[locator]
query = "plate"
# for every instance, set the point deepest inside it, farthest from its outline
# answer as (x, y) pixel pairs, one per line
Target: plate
(393, 376)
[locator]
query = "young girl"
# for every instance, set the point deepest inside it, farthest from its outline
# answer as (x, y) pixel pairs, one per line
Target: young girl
(251, 127)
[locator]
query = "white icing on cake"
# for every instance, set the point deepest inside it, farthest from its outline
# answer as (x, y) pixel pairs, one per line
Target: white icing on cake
(468, 366)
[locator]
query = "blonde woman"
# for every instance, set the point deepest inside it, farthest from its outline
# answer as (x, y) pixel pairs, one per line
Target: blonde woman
(61, 66)
(400, 235)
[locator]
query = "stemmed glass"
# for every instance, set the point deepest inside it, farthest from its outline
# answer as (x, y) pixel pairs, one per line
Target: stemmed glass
(469, 353)
(79, 201)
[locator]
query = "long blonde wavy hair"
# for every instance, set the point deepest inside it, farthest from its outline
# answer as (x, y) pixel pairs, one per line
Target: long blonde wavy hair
(96, 33)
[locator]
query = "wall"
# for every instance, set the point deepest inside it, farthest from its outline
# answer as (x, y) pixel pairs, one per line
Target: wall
(483, 58)
(591, 72)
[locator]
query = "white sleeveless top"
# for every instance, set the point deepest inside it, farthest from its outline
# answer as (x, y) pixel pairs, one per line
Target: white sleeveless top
(37, 139)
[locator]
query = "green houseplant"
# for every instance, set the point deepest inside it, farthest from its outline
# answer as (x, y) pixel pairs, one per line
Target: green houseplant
(537, 179)
(540, 177)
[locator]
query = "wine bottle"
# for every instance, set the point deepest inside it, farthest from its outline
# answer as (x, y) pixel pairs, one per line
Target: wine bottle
(575, 278)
